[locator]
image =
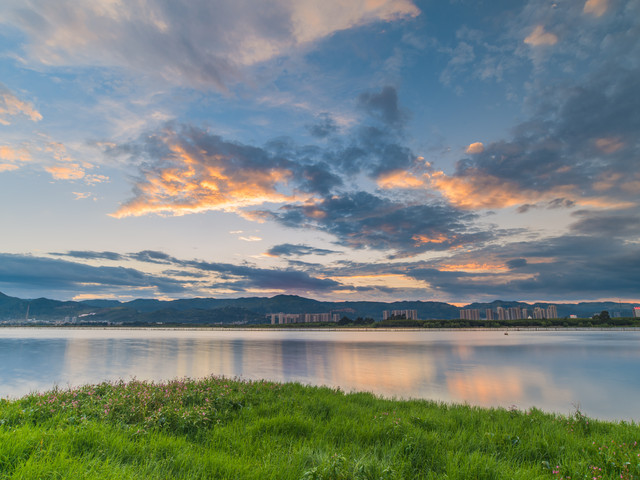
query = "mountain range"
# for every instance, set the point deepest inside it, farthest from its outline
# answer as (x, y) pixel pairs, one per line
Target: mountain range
(252, 309)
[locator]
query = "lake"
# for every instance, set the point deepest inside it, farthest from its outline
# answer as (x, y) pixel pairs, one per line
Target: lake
(597, 371)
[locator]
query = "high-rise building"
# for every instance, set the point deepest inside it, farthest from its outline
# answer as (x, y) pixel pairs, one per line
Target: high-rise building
(489, 313)
(503, 314)
(284, 318)
(408, 314)
(470, 314)
(552, 311)
(636, 312)
(525, 312)
(515, 313)
(539, 313)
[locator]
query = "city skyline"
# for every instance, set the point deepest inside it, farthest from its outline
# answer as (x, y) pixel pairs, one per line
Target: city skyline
(387, 149)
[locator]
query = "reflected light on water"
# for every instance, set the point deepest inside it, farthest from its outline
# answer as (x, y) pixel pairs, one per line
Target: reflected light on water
(551, 370)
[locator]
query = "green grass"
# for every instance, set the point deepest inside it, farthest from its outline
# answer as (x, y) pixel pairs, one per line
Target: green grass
(227, 429)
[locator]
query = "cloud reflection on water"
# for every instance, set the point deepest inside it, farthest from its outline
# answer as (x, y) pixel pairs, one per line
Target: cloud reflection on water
(551, 370)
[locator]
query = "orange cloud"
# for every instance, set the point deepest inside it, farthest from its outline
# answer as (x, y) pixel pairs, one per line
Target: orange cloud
(596, 8)
(72, 171)
(7, 167)
(473, 267)
(540, 37)
(313, 20)
(609, 145)
(10, 106)
(423, 239)
(481, 191)
(12, 155)
(478, 190)
(198, 182)
(82, 195)
(475, 148)
(607, 181)
(391, 280)
(399, 179)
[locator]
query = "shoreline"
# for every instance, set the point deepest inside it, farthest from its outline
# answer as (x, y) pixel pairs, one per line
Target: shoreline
(224, 428)
(318, 329)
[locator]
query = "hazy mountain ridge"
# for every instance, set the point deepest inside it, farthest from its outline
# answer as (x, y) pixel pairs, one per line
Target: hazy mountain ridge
(254, 309)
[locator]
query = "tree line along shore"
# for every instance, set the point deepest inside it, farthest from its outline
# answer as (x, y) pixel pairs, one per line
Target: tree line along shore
(230, 429)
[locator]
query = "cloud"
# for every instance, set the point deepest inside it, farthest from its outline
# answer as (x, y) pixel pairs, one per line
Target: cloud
(152, 256)
(197, 43)
(190, 170)
(72, 171)
(597, 8)
(539, 37)
(567, 267)
(291, 250)
(23, 272)
(251, 238)
(14, 154)
(241, 277)
(609, 145)
(399, 179)
(82, 195)
(517, 263)
(11, 106)
(63, 276)
(13, 157)
(90, 255)
(325, 127)
(615, 224)
(474, 148)
(383, 105)
(363, 220)
(185, 169)
(578, 148)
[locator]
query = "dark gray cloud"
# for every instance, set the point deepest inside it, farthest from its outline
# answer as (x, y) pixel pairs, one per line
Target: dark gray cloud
(90, 255)
(586, 143)
(63, 279)
(517, 263)
(625, 223)
(291, 250)
(151, 256)
(363, 220)
(28, 272)
(383, 106)
(570, 267)
(243, 277)
(325, 127)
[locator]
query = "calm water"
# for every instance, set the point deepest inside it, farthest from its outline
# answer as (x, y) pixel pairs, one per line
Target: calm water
(555, 371)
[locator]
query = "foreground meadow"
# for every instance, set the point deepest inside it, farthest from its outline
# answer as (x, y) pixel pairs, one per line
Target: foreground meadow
(228, 429)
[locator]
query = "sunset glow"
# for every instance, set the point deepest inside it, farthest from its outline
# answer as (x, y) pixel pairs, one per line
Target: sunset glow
(363, 150)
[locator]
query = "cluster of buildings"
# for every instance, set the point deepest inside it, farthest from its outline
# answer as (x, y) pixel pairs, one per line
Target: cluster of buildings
(636, 312)
(510, 313)
(406, 314)
(282, 318)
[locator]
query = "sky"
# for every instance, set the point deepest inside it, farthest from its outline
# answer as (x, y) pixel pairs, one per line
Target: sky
(453, 151)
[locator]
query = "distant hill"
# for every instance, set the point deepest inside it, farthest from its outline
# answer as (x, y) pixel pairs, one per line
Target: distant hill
(253, 309)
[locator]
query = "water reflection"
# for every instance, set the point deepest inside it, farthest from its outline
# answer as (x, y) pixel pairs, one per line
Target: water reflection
(551, 370)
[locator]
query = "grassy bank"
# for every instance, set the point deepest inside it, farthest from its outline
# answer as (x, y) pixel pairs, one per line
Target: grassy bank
(218, 428)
